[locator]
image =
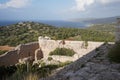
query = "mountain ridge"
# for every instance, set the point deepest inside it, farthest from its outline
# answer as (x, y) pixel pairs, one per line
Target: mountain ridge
(97, 20)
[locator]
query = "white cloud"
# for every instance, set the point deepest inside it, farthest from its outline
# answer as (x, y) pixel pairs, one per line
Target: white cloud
(108, 1)
(81, 5)
(15, 4)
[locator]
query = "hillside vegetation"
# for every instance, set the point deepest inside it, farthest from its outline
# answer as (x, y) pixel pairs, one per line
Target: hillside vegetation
(103, 27)
(25, 32)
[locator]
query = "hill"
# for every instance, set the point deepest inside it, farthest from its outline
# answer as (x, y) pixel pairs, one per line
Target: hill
(103, 27)
(25, 32)
(97, 20)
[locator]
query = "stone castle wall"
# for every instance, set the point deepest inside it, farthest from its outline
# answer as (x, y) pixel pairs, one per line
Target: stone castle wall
(43, 48)
(9, 58)
(49, 45)
(20, 53)
(27, 50)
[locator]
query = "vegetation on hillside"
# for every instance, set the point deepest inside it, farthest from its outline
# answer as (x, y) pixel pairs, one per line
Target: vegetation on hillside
(2, 51)
(30, 31)
(103, 27)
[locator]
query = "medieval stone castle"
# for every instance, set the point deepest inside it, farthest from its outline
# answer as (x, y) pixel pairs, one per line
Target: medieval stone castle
(41, 49)
(37, 50)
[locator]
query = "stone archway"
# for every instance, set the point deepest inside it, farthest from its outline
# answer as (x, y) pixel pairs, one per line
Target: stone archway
(38, 54)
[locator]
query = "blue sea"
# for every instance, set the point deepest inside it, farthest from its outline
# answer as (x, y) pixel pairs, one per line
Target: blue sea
(53, 23)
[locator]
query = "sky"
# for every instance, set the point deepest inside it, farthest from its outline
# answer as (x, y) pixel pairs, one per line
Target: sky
(57, 9)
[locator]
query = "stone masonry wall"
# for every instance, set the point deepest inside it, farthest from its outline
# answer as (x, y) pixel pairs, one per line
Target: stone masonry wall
(49, 45)
(27, 50)
(22, 51)
(9, 58)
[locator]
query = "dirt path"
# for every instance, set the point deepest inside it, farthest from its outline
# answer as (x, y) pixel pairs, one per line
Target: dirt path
(6, 47)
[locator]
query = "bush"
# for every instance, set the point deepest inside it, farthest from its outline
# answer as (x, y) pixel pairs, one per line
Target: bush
(114, 53)
(7, 71)
(31, 76)
(86, 44)
(50, 58)
(43, 64)
(19, 71)
(2, 51)
(65, 63)
(62, 51)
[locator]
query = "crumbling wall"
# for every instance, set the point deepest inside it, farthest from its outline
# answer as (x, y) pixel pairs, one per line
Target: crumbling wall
(44, 47)
(9, 58)
(27, 50)
(21, 51)
(49, 45)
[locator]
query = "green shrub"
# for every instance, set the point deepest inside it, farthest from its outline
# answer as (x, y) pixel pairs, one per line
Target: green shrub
(64, 63)
(63, 52)
(31, 76)
(19, 72)
(86, 44)
(50, 58)
(114, 53)
(43, 64)
(6, 71)
(2, 51)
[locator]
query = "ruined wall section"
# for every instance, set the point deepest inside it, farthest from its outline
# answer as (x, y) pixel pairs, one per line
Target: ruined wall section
(27, 50)
(49, 45)
(20, 53)
(9, 58)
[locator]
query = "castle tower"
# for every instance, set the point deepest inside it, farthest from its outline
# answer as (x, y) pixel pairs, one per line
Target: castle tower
(118, 31)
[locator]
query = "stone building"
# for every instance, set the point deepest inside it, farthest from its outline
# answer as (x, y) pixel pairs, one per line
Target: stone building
(118, 30)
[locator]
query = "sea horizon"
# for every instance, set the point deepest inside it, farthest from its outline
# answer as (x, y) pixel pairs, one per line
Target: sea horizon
(56, 23)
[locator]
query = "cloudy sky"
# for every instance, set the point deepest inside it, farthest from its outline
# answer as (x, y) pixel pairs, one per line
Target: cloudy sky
(57, 9)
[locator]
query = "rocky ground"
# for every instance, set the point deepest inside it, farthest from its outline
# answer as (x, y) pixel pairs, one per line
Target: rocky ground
(96, 68)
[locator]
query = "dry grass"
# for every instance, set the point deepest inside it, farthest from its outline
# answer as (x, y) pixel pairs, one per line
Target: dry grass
(31, 76)
(6, 47)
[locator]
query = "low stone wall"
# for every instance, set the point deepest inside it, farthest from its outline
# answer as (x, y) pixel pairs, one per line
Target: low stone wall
(21, 51)
(62, 58)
